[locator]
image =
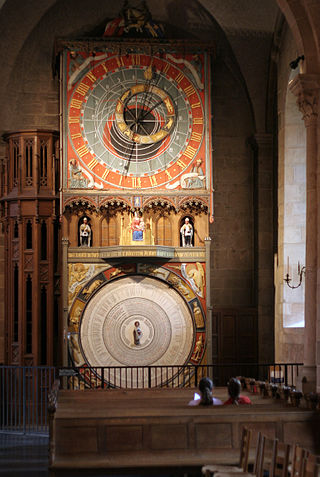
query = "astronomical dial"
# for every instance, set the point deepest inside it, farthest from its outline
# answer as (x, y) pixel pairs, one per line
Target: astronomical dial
(134, 121)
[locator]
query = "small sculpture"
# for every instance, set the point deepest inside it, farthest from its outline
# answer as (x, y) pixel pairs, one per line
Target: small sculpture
(137, 333)
(197, 349)
(85, 233)
(198, 315)
(137, 227)
(75, 350)
(186, 232)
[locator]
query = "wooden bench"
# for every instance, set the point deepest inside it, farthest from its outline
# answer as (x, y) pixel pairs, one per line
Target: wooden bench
(104, 429)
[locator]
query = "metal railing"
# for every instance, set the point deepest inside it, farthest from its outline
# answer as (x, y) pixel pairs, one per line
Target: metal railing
(24, 398)
(142, 377)
(24, 390)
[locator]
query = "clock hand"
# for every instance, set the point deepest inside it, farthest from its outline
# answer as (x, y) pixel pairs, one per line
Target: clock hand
(149, 110)
(144, 98)
(127, 164)
(130, 112)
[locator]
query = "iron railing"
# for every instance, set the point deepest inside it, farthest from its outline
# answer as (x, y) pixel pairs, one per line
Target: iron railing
(174, 376)
(24, 398)
(24, 390)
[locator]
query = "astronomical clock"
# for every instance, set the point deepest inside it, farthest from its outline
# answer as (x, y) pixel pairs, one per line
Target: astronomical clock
(136, 202)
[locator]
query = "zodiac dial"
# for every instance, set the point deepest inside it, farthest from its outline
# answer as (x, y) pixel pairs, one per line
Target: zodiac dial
(134, 121)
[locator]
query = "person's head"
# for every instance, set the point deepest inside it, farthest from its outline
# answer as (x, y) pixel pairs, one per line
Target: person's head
(234, 388)
(205, 387)
(85, 220)
(136, 324)
(186, 220)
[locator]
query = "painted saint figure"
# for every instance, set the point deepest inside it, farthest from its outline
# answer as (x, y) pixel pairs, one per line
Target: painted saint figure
(197, 177)
(77, 179)
(137, 227)
(85, 233)
(186, 232)
(137, 333)
(197, 349)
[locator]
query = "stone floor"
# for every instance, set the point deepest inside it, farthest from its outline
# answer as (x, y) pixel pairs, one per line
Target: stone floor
(23, 456)
(27, 456)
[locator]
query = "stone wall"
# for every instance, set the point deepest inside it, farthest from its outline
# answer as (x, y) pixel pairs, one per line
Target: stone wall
(232, 231)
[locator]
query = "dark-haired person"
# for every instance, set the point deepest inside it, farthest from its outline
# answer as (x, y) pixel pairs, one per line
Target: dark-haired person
(234, 388)
(205, 398)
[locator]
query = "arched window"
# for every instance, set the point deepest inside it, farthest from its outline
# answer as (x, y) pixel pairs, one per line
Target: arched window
(16, 159)
(29, 162)
(292, 213)
(29, 234)
(16, 303)
(43, 326)
(43, 163)
(29, 314)
(43, 251)
(16, 230)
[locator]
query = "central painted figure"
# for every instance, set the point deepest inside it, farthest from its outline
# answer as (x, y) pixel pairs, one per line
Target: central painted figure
(137, 227)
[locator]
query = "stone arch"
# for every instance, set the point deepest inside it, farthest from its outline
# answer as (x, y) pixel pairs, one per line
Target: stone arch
(303, 19)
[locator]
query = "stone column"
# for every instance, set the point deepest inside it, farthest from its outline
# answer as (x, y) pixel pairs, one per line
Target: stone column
(65, 245)
(207, 242)
(306, 88)
(264, 242)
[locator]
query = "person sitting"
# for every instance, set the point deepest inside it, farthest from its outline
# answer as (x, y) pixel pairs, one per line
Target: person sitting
(206, 398)
(234, 387)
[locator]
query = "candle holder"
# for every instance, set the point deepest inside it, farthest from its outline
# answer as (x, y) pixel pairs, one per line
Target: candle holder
(301, 272)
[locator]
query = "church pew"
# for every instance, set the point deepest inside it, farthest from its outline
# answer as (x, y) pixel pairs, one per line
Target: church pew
(104, 429)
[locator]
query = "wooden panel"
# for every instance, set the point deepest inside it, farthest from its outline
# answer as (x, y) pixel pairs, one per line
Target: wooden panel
(123, 438)
(28, 208)
(247, 337)
(109, 232)
(237, 340)
(46, 207)
(85, 436)
(212, 436)
(164, 232)
(174, 436)
(306, 432)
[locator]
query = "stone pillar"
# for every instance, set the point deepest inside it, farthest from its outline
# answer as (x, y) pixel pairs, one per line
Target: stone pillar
(207, 242)
(264, 275)
(65, 245)
(306, 88)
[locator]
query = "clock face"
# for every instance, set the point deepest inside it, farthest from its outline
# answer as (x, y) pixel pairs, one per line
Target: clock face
(164, 321)
(133, 121)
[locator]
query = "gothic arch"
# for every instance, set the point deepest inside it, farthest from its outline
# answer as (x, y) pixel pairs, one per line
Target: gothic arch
(302, 19)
